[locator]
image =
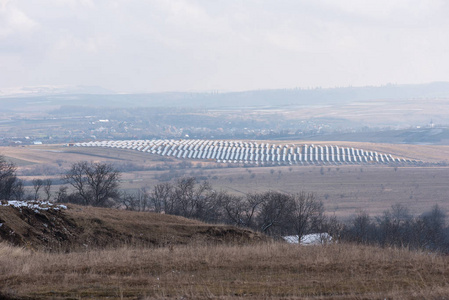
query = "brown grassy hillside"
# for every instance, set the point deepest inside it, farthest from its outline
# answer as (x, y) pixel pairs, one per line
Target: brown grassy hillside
(100, 253)
(79, 228)
(258, 271)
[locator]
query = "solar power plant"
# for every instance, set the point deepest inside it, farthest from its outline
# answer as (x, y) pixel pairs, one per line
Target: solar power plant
(254, 153)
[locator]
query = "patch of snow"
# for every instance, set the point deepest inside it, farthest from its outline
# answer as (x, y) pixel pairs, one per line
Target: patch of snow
(309, 239)
(35, 205)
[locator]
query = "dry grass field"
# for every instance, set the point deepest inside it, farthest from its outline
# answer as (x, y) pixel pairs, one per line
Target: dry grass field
(262, 271)
(346, 189)
(343, 189)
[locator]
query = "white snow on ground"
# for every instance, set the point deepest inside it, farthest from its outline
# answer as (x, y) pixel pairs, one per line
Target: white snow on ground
(36, 205)
(309, 239)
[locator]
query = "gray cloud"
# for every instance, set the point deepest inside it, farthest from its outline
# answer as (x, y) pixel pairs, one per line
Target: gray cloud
(166, 45)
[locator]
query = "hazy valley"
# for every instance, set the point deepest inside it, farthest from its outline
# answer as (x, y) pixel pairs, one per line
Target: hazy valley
(392, 165)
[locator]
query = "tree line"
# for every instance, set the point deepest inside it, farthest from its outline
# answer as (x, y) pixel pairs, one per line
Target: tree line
(271, 212)
(97, 184)
(397, 227)
(11, 187)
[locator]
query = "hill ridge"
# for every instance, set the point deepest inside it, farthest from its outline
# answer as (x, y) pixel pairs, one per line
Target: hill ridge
(81, 227)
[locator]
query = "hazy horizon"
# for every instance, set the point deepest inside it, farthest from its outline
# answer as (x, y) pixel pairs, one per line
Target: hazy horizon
(225, 46)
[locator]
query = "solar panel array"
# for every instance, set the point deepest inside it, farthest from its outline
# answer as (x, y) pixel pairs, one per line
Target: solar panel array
(250, 152)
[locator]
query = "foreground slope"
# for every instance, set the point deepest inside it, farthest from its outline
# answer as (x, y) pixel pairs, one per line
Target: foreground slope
(257, 271)
(78, 227)
(101, 253)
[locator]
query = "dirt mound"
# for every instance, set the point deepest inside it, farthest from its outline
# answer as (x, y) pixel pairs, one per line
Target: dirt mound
(75, 227)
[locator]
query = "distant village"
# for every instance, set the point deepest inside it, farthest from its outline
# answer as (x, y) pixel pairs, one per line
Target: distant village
(86, 128)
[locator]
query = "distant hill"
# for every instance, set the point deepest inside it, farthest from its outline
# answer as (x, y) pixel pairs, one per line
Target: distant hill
(91, 96)
(47, 90)
(418, 136)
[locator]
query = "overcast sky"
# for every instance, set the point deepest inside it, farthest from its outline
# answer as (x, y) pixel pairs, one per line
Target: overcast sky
(223, 45)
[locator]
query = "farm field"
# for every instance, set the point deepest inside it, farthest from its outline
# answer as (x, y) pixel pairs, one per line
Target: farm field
(344, 189)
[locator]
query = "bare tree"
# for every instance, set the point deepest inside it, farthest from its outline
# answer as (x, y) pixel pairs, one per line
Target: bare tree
(334, 228)
(208, 207)
(95, 183)
(189, 199)
(275, 212)
(143, 198)
(242, 211)
(395, 226)
(434, 222)
(136, 202)
(361, 227)
(11, 187)
(128, 201)
(77, 178)
(235, 208)
(187, 196)
(307, 214)
(162, 198)
(61, 195)
(47, 189)
(37, 184)
(18, 190)
(252, 209)
(102, 179)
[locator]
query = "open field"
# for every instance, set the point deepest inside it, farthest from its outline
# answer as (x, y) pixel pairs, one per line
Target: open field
(343, 189)
(111, 254)
(261, 271)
